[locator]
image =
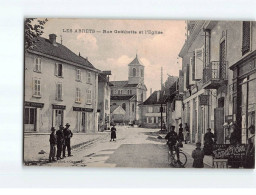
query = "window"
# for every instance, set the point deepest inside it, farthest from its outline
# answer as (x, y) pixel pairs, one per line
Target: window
(36, 87)
(38, 65)
(112, 92)
(30, 116)
(124, 106)
(134, 72)
(120, 92)
(58, 70)
(59, 92)
(246, 39)
(78, 75)
(141, 96)
(150, 109)
(89, 96)
(88, 77)
(78, 95)
(133, 107)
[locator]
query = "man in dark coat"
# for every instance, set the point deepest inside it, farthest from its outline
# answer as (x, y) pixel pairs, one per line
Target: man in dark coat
(172, 140)
(208, 142)
(67, 136)
(60, 141)
(53, 142)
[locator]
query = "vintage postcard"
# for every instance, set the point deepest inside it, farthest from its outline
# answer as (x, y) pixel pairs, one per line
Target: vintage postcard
(139, 93)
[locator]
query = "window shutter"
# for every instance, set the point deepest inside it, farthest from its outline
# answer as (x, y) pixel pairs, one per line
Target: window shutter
(33, 86)
(56, 69)
(199, 63)
(191, 72)
(187, 77)
(246, 40)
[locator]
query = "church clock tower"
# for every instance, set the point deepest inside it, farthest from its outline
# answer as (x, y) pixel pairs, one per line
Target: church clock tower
(136, 72)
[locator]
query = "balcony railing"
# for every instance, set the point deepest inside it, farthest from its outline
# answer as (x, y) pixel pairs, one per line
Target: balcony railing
(214, 74)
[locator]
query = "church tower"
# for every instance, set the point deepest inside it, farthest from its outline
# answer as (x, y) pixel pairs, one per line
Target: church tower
(136, 72)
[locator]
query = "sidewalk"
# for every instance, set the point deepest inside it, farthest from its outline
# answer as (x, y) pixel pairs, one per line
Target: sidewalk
(34, 143)
(188, 148)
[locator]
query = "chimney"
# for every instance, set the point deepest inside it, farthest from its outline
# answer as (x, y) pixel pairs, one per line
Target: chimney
(150, 91)
(52, 38)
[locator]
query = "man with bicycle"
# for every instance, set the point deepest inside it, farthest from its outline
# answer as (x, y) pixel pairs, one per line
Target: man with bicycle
(173, 142)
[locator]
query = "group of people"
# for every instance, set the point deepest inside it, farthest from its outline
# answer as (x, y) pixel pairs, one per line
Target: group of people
(60, 140)
(174, 142)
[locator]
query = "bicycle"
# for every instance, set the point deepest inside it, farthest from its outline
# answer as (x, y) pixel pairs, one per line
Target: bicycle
(172, 158)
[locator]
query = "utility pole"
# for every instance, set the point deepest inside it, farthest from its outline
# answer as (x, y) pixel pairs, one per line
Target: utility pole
(161, 108)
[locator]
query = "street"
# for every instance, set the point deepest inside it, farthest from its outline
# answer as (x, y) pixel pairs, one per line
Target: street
(134, 147)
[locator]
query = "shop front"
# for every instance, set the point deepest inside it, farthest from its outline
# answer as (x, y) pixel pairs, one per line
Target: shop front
(84, 119)
(58, 115)
(31, 116)
(244, 96)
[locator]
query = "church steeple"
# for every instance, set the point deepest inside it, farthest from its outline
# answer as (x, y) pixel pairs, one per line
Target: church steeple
(136, 71)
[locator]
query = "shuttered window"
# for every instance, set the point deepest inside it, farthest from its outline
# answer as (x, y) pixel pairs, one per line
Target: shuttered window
(246, 41)
(38, 65)
(36, 87)
(89, 96)
(58, 70)
(59, 91)
(78, 74)
(78, 95)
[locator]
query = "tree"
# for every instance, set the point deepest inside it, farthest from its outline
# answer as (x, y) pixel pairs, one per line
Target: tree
(33, 29)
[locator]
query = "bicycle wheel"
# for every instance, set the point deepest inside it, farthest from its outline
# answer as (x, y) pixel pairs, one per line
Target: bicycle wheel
(183, 158)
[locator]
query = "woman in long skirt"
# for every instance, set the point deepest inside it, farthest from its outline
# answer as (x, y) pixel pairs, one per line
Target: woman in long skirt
(113, 133)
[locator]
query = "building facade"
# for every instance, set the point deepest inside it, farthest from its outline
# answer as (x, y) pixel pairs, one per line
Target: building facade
(60, 87)
(104, 100)
(211, 93)
(174, 105)
(130, 93)
(151, 110)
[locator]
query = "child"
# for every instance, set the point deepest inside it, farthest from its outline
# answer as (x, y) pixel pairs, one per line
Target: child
(198, 156)
(53, 142)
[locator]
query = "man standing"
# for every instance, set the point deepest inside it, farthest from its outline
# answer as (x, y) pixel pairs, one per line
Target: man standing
(67, 136)
(53, 142)
(60, 141)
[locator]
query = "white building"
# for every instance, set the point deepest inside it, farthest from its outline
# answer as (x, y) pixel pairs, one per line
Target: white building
(60, 87)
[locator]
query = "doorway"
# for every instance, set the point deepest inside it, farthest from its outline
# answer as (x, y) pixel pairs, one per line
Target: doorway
(58, 118)
(30, 119)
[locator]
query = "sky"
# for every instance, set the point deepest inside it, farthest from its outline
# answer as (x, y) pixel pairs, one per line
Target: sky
(114, 51)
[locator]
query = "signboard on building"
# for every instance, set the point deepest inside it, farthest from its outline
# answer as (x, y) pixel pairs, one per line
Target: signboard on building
(203, 100)
(34, 104)
(230, 152)
(54, 106)
(80, 109)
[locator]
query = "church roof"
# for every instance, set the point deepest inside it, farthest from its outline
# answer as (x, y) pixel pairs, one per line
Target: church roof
(121, 97)
(119, 83)
(136, 61)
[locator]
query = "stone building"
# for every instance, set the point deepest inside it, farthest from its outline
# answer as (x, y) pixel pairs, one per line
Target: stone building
(151, 110)
(59, 87)
(130, 93)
